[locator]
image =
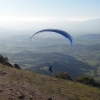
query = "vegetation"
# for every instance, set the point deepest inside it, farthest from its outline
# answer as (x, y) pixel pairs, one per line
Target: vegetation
(18, 84)
(17, 66)
(88, 80)
(4, 61)
(63, 75)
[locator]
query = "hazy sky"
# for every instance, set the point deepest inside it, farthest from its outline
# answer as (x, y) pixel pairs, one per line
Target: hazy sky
(15, 11)
(49, 9)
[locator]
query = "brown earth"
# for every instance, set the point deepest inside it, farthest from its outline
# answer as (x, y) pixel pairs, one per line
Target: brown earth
(16, 84)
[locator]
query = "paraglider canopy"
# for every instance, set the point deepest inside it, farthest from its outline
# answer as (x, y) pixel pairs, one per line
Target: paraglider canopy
(63, 33)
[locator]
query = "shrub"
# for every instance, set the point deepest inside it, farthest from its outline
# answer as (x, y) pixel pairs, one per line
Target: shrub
(63, 75)
(8, 64)
(17, 66)
(86, 80)
(4, 61)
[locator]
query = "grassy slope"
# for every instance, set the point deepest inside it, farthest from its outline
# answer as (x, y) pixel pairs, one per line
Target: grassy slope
(15, 84)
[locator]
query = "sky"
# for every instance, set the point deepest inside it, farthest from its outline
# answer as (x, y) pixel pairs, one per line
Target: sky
(20, 12)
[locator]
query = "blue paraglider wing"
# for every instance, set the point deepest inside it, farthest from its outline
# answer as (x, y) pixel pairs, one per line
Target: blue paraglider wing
(65, 34)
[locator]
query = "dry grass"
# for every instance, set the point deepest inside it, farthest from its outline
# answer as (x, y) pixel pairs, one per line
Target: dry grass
(23, 85)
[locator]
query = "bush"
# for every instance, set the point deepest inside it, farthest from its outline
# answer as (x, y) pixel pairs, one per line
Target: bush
(63, 75)
(17, 66)
(86, 80)
(8, 64)
(4, 61)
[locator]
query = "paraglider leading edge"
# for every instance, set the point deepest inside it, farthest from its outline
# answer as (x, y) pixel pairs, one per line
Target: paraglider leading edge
(65, 34)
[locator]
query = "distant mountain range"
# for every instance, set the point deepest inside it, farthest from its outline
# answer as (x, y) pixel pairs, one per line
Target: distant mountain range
(73, 27)
(90, 36)
(81, 27)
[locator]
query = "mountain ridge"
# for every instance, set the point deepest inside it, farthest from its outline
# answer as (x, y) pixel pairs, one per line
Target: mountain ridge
(73, 27)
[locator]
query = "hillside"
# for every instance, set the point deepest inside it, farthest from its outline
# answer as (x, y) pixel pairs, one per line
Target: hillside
(18, 84)
(60, 62)
(83, 56)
